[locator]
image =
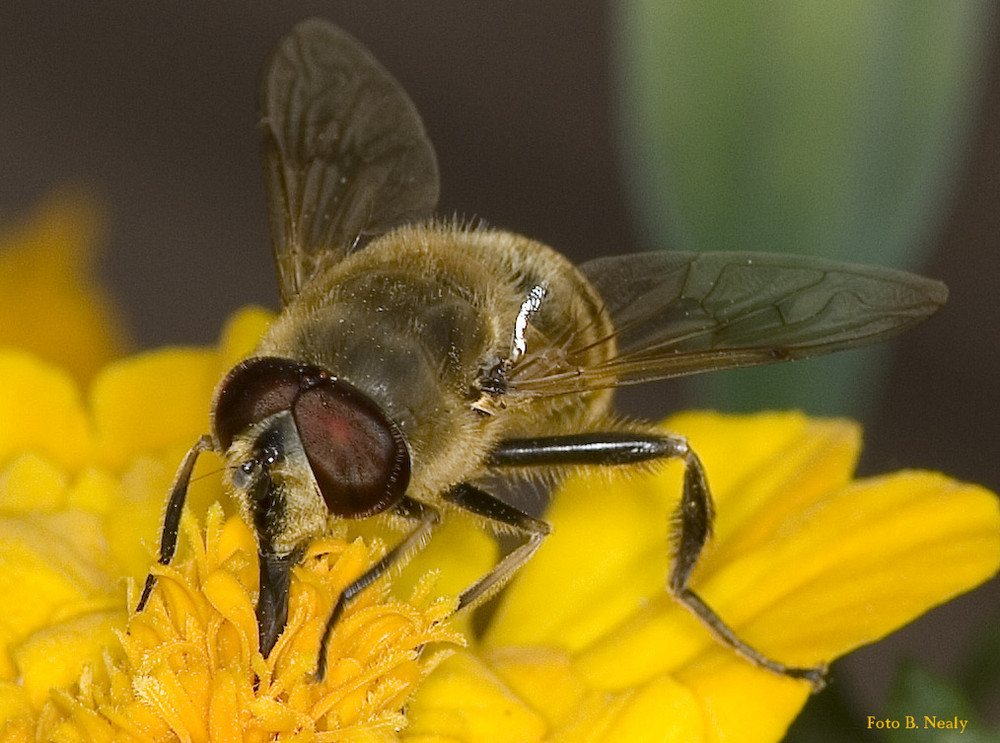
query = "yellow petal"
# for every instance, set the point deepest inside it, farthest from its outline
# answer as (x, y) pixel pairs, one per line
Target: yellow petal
(150, 402)
(50, 301)
(740, 702)
(661, 710)
(544, 678)
(865, 561)
(463, 701)
(607, 554)
(92, 490)
(548, 681)
(534, 694)
(133, 525)
(56, 656)
(43, 412)
(16, 714)
(240, 336)
(765, 468)
(49, 568)
(459, 554)
(32, 482)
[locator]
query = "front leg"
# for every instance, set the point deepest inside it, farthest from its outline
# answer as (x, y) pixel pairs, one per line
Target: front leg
(692, 527)
(425, 518)
(172, 516)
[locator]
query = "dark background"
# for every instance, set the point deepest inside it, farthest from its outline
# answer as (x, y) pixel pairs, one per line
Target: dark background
(153, 105)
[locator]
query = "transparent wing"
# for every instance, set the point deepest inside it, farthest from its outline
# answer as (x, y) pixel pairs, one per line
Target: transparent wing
(676, 314)
(345, 152)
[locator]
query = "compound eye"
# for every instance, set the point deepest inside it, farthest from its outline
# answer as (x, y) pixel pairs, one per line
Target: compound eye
(254, 390)
(358, 456)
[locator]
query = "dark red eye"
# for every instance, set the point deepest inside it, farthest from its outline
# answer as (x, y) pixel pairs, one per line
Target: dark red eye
(357, 454)
(254, 390)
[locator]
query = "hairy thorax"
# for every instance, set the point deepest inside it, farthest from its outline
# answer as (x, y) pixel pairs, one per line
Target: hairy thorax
(427, 321)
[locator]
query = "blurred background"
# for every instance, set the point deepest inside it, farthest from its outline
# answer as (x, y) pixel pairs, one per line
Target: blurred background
(866, 131)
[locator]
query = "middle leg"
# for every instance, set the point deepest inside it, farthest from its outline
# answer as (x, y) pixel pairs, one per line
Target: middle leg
(695, 514)
(425, 519)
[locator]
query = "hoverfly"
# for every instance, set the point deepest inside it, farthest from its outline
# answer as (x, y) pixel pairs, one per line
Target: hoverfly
(413, 359)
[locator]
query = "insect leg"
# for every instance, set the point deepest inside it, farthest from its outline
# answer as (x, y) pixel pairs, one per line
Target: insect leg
(172, 517)
(695, 514)
(427, 518)
(486, 506)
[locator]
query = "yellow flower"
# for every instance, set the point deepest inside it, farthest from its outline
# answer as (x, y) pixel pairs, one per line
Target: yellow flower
(806, 564)
(54, 307)
(191, 667)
